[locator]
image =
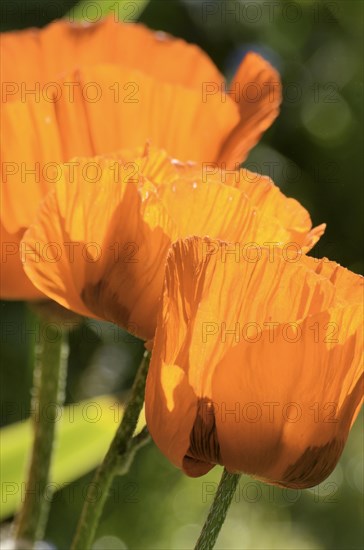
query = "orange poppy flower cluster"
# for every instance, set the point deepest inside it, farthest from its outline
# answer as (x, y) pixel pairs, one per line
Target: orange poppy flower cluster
(124, 200)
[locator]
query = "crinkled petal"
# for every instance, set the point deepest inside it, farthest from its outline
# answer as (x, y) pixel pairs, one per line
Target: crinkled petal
(98, 248)
(219, 316)
(256, 89)
(240, 206)
(271, 201)
(287, 414)
(37, 57)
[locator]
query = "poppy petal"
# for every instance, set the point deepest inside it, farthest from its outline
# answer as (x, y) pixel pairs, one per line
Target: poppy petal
(239, 207)
(30, 150)
(194, 207)
(56, 131)
(271, 201)
(14, 284)
(296, 399)
(257, 90)
(215, 317)
(105, 41)
(349, 286)
(279, 219)
(98, 248)
(137, 108)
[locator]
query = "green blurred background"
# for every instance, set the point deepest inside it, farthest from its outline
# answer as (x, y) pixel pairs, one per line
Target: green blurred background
(314, 153)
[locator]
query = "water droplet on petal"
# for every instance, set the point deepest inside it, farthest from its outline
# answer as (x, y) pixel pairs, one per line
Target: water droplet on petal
(176, 162)
(161, 36)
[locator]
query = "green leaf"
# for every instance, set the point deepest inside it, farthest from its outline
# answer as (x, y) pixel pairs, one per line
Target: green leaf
(91, 11)
(84, 433)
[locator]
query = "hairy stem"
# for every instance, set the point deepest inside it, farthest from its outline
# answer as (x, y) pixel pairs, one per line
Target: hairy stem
(50, 369)
(218, 511)
(116, 462)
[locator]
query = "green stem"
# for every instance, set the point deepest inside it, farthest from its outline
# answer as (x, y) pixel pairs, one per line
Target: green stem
(218, 511)
(116, 462)
(50, 368)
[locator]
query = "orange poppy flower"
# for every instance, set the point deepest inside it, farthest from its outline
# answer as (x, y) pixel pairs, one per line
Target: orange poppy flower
(99, 248)
(72, 90)
(257, 362)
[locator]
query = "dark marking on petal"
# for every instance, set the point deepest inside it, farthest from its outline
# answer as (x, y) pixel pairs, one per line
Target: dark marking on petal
(204, 450)
(315, 465)
(102, 301)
